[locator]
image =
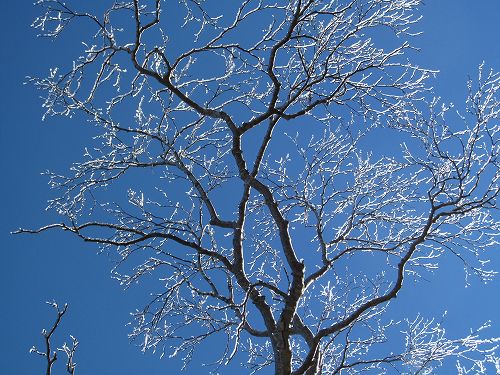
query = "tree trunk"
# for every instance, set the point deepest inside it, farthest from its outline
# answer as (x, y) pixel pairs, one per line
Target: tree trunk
(282, 354)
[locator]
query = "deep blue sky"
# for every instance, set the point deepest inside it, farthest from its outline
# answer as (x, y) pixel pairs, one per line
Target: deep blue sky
(458, 36)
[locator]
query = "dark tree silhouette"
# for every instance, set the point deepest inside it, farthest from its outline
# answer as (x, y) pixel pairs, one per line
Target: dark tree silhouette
(245, 136)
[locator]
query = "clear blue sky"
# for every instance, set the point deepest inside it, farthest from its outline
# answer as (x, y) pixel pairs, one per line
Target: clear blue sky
(458, 36)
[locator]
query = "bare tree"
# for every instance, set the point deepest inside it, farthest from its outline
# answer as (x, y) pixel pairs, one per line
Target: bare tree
(244, 134)
(49, 353)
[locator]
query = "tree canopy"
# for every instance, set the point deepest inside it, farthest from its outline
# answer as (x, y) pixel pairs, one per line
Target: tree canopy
(282, 169)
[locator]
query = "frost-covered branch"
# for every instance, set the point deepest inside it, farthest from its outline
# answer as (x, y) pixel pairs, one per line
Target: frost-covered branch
(49, 353)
